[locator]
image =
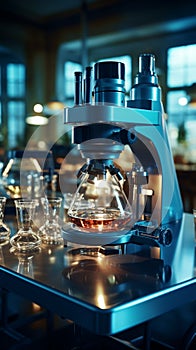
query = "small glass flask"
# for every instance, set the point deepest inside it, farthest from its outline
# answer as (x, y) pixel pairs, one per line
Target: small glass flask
(51, 230)
(4, 229)
(100, 204)
(25, 239)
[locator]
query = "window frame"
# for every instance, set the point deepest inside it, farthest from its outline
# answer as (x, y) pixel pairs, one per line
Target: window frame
(10, 139)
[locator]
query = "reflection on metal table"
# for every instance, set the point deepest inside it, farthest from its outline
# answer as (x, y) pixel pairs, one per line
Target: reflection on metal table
(114, 292)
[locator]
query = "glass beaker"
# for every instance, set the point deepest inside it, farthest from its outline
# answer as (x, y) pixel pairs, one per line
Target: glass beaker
(4, 229)
(25, 239)
(100, 204)
(51, 231)
(21, 175)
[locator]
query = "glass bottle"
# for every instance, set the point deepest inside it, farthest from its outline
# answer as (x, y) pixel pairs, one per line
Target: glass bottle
(26, 238)
(21, 175)
(4, 229)
(51, 231)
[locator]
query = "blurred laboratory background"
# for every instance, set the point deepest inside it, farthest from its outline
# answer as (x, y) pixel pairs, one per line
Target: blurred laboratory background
(42, 44)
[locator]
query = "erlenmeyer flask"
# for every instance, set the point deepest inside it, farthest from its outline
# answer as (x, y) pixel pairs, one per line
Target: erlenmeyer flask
(100, 204)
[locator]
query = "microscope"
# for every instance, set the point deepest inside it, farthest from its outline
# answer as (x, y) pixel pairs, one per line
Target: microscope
(139, 209)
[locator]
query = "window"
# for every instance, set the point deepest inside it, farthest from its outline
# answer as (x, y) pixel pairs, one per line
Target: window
(16, 125)
(181, 66)
(15, 80)
(181, 74)
(12, 103)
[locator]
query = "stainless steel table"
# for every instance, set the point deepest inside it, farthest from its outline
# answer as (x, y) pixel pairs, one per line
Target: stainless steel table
(102, 293)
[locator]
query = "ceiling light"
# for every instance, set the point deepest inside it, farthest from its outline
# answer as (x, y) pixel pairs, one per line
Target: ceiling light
(36, 120)
(53, 106)
(38, 108)
(183, 101)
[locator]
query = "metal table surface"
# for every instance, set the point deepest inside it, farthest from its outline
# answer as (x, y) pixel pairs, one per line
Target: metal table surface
(105, 294)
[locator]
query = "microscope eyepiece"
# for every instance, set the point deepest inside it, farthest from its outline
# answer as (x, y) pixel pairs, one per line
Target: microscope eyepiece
(147, 64)
(109, 82)
(146, 74)
(146, 92)
(109, 69)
